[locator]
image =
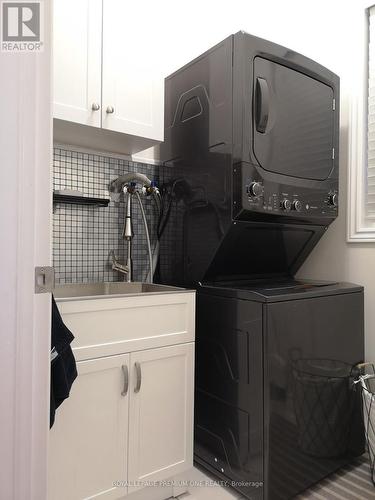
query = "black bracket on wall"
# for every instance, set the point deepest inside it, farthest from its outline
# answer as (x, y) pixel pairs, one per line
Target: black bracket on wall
(80, 200)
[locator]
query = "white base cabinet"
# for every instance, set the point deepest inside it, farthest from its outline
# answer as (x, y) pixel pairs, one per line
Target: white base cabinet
(128, 422)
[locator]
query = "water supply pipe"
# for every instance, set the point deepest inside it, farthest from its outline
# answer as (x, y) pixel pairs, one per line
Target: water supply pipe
(116, 186)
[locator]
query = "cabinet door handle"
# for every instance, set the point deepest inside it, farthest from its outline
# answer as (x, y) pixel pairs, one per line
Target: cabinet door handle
(95, 106)
(125, 371)
(110, 110)
(138, 372)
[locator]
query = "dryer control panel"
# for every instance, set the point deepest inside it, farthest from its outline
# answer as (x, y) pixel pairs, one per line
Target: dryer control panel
(294, 198)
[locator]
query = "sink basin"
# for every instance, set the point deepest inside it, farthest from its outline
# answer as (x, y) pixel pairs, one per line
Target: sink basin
(107, 289)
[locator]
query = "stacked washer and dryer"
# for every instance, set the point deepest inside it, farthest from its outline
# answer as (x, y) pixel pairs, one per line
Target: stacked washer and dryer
(252, 146)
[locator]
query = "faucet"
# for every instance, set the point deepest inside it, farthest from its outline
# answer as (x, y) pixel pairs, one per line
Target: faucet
(126, 184)
(126, 269)
(117, 266)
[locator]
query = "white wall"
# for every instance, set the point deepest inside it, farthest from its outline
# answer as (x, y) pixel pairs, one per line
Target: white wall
(330, 31)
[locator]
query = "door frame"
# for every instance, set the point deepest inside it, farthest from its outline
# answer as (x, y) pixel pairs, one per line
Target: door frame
(26, 228)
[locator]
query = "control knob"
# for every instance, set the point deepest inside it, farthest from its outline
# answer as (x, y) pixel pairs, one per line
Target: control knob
(286, 204)
(255, 189)
(333, 199)
(297, 205)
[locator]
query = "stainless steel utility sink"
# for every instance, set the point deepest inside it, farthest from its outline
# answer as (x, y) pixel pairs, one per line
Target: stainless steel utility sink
(107, 289)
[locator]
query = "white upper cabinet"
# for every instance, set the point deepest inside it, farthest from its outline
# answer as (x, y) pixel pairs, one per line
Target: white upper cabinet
(133, 87)
(77, 61)
(108, 88)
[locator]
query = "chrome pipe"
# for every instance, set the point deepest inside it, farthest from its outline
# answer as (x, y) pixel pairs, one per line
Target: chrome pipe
(129, 262)
(128, 228)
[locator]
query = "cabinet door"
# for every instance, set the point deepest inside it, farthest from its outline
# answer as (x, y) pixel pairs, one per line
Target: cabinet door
(88, 442)
(161, 413)
(77, 60)
(133, 87)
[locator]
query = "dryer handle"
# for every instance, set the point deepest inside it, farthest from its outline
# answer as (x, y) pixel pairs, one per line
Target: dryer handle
(262, 104)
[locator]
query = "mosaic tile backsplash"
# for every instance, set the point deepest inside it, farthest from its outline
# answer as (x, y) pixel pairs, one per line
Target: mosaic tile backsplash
(83, 235)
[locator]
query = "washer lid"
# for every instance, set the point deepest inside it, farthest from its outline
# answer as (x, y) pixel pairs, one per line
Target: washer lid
(262, 250)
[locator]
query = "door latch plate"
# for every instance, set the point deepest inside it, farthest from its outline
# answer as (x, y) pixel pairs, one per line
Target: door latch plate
(44, 279)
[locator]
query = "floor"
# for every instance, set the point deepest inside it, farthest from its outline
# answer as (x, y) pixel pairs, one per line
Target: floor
(350, 483)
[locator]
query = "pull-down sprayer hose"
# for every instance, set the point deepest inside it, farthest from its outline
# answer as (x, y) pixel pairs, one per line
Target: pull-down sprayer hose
(147, 236)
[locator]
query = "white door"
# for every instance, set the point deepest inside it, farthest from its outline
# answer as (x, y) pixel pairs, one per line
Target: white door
(133, 86)
(77, 45)
(161, 413)
(88, 442)
(25, 222)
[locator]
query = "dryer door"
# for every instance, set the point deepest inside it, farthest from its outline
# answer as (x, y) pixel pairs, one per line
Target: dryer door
(293, 122)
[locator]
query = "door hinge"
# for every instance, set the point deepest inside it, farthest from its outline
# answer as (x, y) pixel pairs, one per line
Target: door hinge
(334, 104)
(44, 279)
(333, 153)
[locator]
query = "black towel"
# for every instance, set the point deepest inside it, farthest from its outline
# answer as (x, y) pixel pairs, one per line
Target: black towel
(63, 365)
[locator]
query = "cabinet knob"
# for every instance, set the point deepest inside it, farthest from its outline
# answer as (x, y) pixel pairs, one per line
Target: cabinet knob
(110, 110)
(95, 106)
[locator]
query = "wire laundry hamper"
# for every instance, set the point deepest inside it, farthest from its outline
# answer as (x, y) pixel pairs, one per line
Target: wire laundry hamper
(367, 382)
(323, 403)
